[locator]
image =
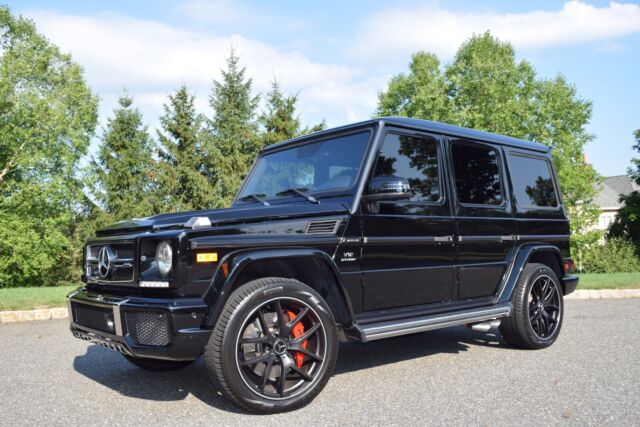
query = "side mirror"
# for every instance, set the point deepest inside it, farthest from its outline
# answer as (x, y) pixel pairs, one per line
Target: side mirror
(388, 188)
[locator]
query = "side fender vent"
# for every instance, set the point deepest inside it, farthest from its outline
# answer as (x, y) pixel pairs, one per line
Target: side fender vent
(323, 227)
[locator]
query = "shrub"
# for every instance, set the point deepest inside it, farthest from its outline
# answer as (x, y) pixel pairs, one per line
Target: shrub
(615, 256)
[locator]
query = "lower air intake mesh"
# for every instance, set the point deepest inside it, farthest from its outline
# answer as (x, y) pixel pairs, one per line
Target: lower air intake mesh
(148, 327)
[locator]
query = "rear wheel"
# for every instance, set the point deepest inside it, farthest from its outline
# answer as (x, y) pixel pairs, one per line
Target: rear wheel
(274, 346)
(157, 365)
(538, 309)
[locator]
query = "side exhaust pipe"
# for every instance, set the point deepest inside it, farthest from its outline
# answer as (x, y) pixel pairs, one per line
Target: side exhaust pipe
(485, 326)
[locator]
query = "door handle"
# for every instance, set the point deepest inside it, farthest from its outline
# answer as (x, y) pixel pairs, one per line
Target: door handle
(443, 239)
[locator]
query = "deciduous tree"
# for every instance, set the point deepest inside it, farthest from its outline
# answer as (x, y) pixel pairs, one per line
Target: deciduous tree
(486, 88)
(47, 117)
(627, 222)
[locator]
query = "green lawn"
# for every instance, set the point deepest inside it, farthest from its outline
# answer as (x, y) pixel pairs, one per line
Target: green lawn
(29, 298)
(609, 281)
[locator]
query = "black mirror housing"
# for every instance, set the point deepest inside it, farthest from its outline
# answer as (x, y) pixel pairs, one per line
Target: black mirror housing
(388, 188)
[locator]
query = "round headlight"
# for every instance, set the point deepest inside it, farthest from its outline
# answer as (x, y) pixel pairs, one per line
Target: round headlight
(164, 257)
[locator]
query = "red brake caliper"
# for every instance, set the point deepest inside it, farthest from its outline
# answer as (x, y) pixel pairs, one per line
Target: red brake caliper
(297, 331)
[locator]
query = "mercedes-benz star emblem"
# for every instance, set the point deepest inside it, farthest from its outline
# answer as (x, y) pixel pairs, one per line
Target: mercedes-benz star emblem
(280, 347)
(105, 256)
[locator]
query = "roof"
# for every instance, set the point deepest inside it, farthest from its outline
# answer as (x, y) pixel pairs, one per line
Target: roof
(612, 188)
(429, 126)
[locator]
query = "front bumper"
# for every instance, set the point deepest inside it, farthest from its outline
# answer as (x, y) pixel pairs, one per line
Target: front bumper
(169, 329)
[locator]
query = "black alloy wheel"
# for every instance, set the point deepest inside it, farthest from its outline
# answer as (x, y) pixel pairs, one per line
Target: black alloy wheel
(544, 307)
(538, 309)
(281, 348)
(274, 346)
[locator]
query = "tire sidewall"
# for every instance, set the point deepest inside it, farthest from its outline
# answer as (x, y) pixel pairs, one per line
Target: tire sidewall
(284, 288)
(538, 271)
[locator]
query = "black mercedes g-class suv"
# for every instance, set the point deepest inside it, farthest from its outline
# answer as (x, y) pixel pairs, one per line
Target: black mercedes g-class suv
(382, 228)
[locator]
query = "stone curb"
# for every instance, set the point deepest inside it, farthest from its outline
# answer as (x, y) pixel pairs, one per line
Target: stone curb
(604, 294)
(61, 312)
(29, 315)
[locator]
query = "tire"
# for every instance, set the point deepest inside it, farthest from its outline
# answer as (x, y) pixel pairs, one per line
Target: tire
(538, 309)
(157, 365)
(252, 344)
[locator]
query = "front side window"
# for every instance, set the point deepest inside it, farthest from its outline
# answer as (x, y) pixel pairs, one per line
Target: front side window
(532, 182)
(414, 158)
(477, 174)
(328, 165)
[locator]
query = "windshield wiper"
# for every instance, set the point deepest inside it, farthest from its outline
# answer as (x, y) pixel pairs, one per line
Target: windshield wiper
(258, 196)
(300, 192)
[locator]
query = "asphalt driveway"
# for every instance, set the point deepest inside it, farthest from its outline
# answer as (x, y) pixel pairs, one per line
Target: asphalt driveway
(591, 376)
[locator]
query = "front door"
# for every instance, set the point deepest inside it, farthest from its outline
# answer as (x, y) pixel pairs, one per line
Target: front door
(483, 215)
(408, 254)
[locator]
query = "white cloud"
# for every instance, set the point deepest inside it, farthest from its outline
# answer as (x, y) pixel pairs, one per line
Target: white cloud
(398, 32)
(237, 14)
(152, 59)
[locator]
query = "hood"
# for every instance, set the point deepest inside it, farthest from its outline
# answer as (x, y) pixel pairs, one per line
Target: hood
(233, 215)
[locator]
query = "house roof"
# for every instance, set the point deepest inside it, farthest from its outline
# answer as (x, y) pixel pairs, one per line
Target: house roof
(612, 188)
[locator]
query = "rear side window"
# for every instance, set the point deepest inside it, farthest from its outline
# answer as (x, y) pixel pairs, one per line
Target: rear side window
(532, 183)
(477, 174)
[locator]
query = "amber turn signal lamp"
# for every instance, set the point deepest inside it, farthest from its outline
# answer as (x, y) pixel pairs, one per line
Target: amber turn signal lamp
(207, 257)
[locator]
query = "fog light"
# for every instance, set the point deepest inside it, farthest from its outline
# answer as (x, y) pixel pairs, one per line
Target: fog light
(110, 324)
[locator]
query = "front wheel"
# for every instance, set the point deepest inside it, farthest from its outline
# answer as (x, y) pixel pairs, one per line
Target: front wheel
(538, 309)
(274, 346)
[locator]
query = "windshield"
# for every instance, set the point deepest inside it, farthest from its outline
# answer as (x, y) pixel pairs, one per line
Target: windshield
(327, 165)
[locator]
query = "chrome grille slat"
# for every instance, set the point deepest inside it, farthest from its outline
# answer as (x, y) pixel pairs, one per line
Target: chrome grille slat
(121, 266)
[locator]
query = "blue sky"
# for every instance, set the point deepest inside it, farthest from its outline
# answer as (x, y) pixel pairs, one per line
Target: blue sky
(337, 55)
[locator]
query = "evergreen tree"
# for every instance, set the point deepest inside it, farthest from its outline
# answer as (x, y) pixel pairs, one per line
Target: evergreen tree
(485, 88)
(125, 170)
(186, 182)
(233, 130)
(47, 118)
(279, 121)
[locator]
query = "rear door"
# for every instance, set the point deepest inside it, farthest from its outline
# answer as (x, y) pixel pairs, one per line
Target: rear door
(408, 254)
(483, 215)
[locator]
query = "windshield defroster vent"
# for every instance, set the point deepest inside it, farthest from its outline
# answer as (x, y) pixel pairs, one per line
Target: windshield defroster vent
(323, 227)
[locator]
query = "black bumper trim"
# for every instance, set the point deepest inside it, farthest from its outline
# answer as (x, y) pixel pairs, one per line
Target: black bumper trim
(185, 317)
(570, 283)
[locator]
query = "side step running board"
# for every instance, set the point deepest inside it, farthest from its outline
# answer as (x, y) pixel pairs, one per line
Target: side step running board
(393, 328)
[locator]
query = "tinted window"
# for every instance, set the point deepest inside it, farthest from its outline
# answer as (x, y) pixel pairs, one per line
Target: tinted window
(532, 182)
(477, 174)
(327, 165)
(413, 158)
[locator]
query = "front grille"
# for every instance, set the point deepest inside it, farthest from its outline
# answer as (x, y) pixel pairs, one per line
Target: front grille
(148, 327)
(121, 264)
(97, 318)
